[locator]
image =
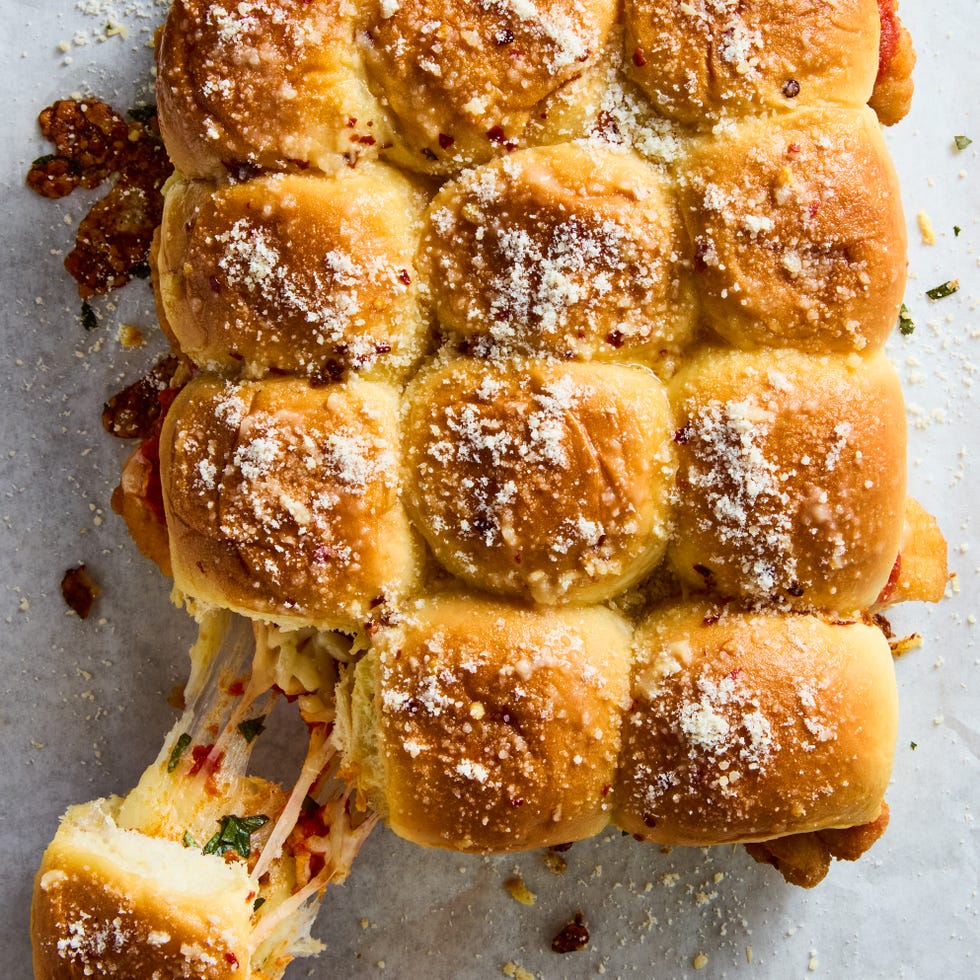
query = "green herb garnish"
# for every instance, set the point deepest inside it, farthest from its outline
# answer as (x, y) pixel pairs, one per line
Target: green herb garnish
(956, 231)
(914, 745)
(235, 834)
(906, 324)
(257, 904)
(943, 290)
(45, 160)
(188, 841)
(962, 142)
(90, 319)
(252, 727)
(178, 750)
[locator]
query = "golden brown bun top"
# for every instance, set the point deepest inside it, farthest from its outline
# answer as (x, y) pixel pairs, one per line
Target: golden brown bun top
(540, 479)
(282, 499)
(570, 250)
(702, 59)
(463, 79)
(799, 239)
(308, 274)
(110, 902)
(750, 726)
(272, 85)
(791, 477)
(486, 726)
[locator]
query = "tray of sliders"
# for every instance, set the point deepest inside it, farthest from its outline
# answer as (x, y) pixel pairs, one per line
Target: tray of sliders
(528, 438)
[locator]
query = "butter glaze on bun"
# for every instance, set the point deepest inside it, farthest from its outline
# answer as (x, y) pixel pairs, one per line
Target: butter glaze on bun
(308, 274)
(487, 726)
(464, 80)
(799, 239)
(540, 479)
(704, 59)
(745, 727)
(791, 477)
(570, 250)
(276, 85)
(282, 499)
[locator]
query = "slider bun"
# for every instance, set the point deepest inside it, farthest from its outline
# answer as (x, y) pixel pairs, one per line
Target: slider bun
(484, 726)
(464, 80)
(569, 250)
(294, 273)
(273, 85)
(113, 902)
(540, 479)
(282, 499)
(745, 727)
(791, 477)
(798, 232)
(700, 60)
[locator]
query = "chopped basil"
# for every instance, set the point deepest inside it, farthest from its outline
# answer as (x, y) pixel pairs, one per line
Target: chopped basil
(956, 231)
(257, 904)
(90, 319)
(178, 750)
(252, 727)
(914, 745)
(45, 160)
(189, 841)
(943, 290)
(962, 142)
(235, 834)
(906, 324)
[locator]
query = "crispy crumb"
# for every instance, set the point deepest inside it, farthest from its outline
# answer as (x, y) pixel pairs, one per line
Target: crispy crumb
(555, 863)
(519, 891)
(700, 961)
(511, 969)
(130, 336)
(926, 229)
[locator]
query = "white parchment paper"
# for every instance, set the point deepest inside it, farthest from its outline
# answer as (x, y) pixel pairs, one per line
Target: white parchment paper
(83, 704)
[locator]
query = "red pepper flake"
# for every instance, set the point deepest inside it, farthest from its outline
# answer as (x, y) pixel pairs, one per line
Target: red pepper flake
(615, 339)
(496, 134)
(503, 37)
(572, 937)
(446, 141)
(79, 591)
(236, 689)
(639, 58)
(404, 277)
(199, 753)
(232, 960)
